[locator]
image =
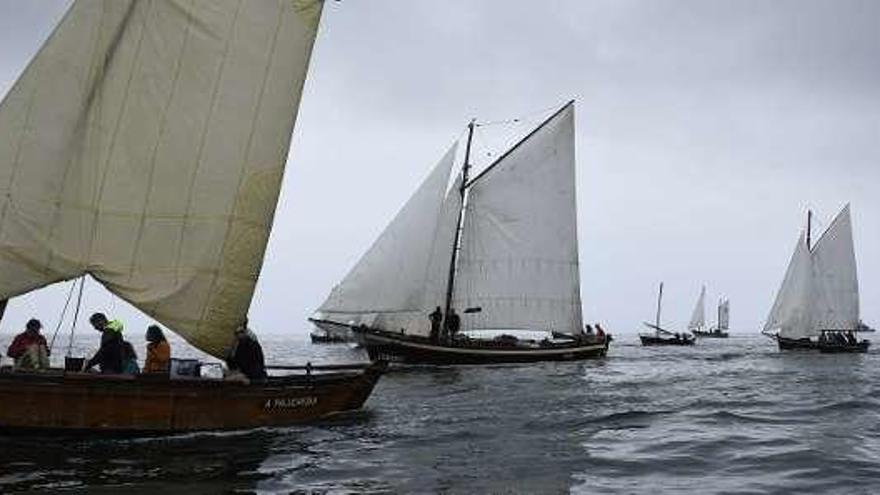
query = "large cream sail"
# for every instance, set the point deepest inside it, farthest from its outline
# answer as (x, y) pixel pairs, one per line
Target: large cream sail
(390, 281)
(835, 295)
(519, 252)
(145, 145)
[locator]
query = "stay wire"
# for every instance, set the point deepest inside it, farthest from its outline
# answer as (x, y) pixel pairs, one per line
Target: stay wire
(76, 315)
(63, 314)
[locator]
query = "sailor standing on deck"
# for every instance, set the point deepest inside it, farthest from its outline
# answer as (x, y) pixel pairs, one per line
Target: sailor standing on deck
(453, 323)
(436, 320)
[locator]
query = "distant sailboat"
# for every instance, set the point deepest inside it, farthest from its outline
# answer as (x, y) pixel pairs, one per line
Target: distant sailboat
(500, 248)
(144, 146)
(722, 324)
(662, 336)
(817, 306)
(698, 317)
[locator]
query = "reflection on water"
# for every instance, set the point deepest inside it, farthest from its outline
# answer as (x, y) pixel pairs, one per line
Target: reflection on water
(726, 415)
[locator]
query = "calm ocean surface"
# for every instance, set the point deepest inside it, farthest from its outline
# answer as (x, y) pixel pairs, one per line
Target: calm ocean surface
(727, 416)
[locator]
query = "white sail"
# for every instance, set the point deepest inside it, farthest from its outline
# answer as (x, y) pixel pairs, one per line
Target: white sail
(790, 314)
(724, 315)
(417, 322)
(145, 145)
(391, 277)
(835, 295)
(519, 253)
(698, 317)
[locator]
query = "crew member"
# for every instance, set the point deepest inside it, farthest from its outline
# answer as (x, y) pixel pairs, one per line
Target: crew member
(158, 351)
(29, 349)
(246, 354)
(436, 320)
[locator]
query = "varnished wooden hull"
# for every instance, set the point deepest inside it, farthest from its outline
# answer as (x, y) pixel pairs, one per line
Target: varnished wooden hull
(93, 403)
(412, 350)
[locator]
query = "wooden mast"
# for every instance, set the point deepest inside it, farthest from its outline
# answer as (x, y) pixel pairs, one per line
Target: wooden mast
(455, 243)
(809, 230)
(659, 299)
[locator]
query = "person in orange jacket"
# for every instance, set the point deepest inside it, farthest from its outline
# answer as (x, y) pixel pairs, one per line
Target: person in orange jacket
(158, 351)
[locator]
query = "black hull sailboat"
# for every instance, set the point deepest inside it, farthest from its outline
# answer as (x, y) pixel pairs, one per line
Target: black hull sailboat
(396, 348)
(823, 279)
(661, 336)
(648, 340)
(500, 247)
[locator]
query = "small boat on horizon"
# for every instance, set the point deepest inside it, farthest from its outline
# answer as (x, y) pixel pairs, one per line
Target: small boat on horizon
(817, 305)
(496, 252)
(662, 336)
(697, 326)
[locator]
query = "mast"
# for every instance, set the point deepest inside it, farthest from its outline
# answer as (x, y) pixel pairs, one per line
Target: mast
(450, 284)
(809, 233)
(720, 302)
(659, 299)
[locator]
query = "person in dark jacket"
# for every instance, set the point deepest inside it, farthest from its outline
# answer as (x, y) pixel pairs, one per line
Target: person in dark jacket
(246, 355)
(453, 323)
(111, 356)
(436, 320)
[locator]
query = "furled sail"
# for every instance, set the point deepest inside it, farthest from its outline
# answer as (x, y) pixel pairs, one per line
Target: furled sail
(392, 277)
(835, 296)
(724, 315)
(145, 145)
(790, 314)
(698, 317)
(519, 255)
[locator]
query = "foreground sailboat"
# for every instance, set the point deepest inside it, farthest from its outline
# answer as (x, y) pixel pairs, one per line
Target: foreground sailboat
(494, 253)
(144, 146)
(662, 336)
(817, 306)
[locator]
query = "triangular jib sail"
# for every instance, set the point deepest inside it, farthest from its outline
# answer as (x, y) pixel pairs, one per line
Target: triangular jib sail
(404, 270)
(698, 317)
(145, 145)
(820, 289)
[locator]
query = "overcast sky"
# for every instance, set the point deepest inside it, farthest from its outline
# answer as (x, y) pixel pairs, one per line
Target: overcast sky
(705, 130)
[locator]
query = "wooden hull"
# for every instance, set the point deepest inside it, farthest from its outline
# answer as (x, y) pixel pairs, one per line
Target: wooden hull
(653, 340)
(412, 350)
(827, 347)
(716, 334)
(333, 332)
(318, 338)
(145, 404)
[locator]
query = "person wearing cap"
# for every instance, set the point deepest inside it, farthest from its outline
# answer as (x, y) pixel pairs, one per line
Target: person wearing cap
(111, 357)
(29, 349)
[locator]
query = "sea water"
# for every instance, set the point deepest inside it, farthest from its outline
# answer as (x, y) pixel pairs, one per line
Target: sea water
(724, 416)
